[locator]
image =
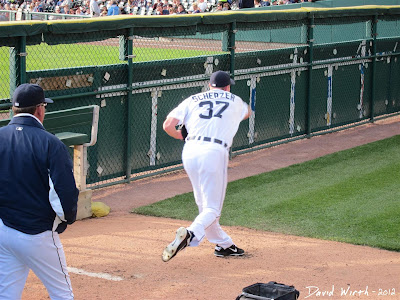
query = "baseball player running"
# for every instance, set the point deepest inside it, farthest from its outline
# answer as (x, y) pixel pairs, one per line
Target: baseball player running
(38, 199)
(211, 119)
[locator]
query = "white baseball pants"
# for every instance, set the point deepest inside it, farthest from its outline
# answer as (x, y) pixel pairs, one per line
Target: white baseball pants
(206, 165)
(42, 253)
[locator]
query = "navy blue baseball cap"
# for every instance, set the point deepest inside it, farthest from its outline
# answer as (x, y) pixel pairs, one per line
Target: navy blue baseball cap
(221, 79)
(28, 94)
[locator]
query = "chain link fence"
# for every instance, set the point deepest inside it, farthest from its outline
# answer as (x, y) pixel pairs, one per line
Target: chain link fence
(302, 73)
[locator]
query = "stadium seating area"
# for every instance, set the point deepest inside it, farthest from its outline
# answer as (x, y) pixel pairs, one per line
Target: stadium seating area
(131, 7)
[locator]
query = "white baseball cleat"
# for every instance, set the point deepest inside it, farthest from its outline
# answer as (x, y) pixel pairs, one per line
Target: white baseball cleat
(182, 240)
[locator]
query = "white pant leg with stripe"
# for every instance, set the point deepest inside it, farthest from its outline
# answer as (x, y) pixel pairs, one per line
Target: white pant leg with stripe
(42, 253)
(206, 164)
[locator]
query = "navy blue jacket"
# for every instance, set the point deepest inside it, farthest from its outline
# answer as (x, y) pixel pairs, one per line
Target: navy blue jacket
(36, 178)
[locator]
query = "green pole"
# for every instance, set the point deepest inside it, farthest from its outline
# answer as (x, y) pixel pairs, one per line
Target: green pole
(232, 48)
(17, 64)
(310, 65)
(129, 107)
(373, 75)
(22, 61)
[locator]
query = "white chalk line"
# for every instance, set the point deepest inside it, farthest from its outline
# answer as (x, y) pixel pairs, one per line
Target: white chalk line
(97, 275)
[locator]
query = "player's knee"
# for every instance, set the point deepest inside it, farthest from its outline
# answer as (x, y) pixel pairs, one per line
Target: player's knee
(212, 212)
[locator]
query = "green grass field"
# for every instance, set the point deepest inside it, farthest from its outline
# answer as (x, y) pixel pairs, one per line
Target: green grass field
(44, 57)
(351, 196)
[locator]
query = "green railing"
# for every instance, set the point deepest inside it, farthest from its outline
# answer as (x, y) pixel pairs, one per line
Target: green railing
(138, 68)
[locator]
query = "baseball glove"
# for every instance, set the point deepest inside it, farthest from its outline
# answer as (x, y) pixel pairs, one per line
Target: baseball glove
(184, 131)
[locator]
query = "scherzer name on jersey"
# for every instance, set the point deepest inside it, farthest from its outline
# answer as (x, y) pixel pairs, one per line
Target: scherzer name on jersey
(214, 95)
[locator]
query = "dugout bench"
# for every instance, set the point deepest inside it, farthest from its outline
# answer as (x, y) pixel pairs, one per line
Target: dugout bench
(63, 124)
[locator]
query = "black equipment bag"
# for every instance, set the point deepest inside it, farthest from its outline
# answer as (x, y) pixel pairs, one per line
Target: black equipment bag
(269, 291)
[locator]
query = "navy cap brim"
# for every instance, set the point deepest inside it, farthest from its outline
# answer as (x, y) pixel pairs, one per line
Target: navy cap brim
(232, 81)
(48, 100)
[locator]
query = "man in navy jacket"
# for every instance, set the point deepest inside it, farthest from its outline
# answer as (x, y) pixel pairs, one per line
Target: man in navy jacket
(38, 198)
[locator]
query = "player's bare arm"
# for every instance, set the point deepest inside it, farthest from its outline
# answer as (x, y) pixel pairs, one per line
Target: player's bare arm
(169, 127)
(248, 113)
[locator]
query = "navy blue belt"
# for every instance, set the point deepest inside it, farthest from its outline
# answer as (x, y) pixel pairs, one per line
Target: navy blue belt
(206, 139)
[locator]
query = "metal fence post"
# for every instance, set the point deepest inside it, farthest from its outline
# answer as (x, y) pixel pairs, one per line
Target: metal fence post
(18, 64)
(232, 47)
(22, 61)
(310, 42)
(373, 75)
(129, 107)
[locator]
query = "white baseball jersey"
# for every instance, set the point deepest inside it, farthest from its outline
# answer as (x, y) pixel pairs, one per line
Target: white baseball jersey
(215, 113)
